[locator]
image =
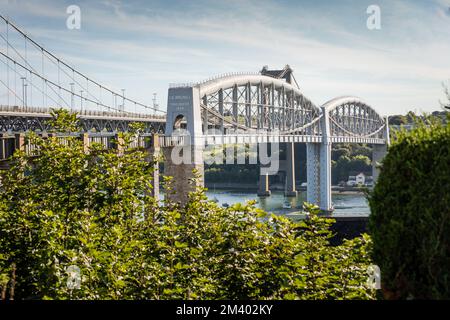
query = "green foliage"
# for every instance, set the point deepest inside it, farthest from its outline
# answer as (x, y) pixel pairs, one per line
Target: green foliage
(93, 210)
(137, 127)
(411, 118)
(398, 120)
(340, 153)
(350, 160)
(446, 104)
(63, 121)
(245, 173)
(222, 172)
(410, 220)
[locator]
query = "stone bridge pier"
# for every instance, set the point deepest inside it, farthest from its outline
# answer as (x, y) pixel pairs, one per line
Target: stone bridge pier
(183, 174)
(181, 161)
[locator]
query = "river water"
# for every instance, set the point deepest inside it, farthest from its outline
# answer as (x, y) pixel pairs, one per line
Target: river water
(345, 204)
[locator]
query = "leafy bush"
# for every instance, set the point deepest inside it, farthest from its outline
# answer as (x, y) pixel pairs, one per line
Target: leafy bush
(410, 219)
(66, 207)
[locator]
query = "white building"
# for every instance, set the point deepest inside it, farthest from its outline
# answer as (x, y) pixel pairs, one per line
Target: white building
(359, 179)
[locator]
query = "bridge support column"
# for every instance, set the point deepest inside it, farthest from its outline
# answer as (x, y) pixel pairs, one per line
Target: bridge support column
(263, 190)
(86, 142)
(183, 173)
(20, 141)
(180, 161)
(378, 153)
(325, 163)
(290, 170)
(325, 177)
(312, 172)
(119, 143)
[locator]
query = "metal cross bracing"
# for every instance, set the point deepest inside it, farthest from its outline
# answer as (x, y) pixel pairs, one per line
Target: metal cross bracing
(256, 106)
(19, 119)
(34, 78)
(245, 105)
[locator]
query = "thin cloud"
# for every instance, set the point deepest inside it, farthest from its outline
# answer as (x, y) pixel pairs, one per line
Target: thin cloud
(329, 46)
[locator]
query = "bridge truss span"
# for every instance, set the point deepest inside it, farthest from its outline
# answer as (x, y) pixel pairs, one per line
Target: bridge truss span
(244, 105)
(254, 103)
(20, 119)
(354, 121)
(270, 108)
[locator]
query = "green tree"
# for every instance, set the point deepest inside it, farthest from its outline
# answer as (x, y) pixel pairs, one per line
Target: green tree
(360, 163)
(446, 104)
(67, 207)
(341, 169)
(410, 215)
(340, 152)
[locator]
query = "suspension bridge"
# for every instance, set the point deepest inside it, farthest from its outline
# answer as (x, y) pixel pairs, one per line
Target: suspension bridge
(263, 108)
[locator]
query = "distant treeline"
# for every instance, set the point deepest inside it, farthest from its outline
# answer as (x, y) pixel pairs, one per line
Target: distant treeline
(411, 117)
(346, 159)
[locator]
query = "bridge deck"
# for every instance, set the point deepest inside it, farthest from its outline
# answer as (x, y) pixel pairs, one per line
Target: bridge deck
(274, 138)
(85, 114)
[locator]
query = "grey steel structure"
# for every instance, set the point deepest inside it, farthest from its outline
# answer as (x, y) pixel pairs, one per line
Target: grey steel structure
(269, 107)
(20, 119)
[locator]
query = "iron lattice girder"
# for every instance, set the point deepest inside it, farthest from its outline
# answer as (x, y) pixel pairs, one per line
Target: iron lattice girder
(20, 123)
(349, 116)
(261, 103)
(265, 104)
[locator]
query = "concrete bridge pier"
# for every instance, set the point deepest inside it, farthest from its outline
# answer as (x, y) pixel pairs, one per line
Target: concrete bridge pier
(312, 172)
(325, 203)
(318, 171)
(263, 190)
(290, 190)
(318, 158)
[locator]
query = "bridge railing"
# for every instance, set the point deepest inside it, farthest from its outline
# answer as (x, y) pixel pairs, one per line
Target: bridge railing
(267, 137)
(174, 141)
(84, 113)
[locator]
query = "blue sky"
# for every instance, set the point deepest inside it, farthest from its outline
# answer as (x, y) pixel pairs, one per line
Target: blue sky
(145, 45)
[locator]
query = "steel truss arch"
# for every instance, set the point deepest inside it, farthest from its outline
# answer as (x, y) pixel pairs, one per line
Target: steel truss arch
(251, 102)
(351, 116)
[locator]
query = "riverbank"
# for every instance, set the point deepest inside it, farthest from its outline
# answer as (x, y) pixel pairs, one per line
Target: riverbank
(253, 187)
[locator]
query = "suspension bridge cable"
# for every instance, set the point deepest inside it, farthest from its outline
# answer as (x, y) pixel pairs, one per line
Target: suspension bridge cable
(72, 68)
(15, 81)
(43, 82)
(57, 64)
(72, 77)
(12, 91)
(56, 85)
(21, 76)
(26, 61)
(7, 51)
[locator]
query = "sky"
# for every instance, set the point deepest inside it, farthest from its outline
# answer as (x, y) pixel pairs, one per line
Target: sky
(142, 46)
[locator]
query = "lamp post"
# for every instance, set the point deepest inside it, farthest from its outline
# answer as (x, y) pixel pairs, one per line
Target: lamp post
(24, 92)
(123, 99)
(81, 99)
(71, 98)
(155, 104)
